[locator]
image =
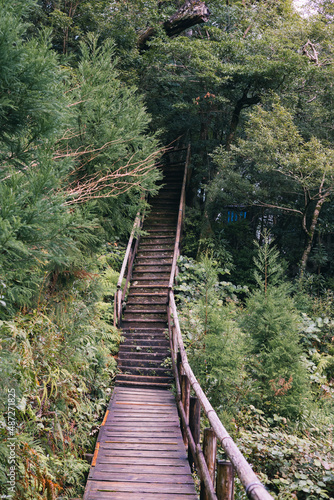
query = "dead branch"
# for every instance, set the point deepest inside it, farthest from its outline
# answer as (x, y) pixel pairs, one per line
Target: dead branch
(286, 209)
(312, 54)
(114, 182)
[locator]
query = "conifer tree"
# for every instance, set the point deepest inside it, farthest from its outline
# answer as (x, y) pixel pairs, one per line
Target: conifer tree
(280, 377)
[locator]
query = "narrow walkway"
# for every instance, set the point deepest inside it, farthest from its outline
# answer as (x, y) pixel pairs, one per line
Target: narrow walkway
(140, 453)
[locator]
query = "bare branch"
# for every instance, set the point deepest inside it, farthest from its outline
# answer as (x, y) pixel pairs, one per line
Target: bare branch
(286, 209)
(114, 182)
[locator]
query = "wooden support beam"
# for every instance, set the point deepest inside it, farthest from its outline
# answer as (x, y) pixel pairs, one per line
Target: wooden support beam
(185, 397)
(209, 452)
(225, 480)
(195, 426)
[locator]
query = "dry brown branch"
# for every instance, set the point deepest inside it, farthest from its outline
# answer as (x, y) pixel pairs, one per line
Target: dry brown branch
(112, 183)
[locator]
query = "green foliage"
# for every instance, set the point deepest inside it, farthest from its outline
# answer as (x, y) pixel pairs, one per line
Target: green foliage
(215, 344)
(60, 362)
(280, 377)
(291, 465)
(32, 103)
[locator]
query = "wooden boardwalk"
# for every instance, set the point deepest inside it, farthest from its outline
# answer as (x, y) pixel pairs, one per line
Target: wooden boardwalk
(140, 453)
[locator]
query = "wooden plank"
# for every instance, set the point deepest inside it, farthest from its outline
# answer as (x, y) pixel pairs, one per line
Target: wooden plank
(169, 461)
(98, 495)
(121, 435)
(95, 454)
(142, 468)
(142, 429)
(105, 418)
(139, 447)
(145, 441)
(151, 478)
(175, 454)
(130, 487)
(148, 404)
(131, 421)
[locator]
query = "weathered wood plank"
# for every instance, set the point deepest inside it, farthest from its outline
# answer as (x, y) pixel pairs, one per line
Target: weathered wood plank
(176, 454)
(141, 446)
(151, 478)
(141, 468)
(148, 461)
(113, 486)
(98, 495)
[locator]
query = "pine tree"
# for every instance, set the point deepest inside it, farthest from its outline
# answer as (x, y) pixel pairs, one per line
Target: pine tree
(280, 377)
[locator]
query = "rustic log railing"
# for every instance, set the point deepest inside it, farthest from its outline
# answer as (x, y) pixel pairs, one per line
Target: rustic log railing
(190, 410)
(127, 265)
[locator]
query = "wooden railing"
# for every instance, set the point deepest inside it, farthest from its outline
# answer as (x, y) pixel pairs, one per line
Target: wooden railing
(190, 410)
(127, 266)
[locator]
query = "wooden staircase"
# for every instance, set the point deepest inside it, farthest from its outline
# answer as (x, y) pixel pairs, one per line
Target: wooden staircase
(140, 452)
(142, 359)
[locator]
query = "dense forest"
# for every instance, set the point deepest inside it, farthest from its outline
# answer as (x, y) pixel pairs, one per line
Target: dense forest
(91, 92)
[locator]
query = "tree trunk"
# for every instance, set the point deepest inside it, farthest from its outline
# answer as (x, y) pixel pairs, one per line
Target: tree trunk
(311, 232)
(191, 13)
(242, 103)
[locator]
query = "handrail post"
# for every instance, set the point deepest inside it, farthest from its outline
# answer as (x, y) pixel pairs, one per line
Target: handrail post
(115, 309)
(185, 397)
(209, 452)
(195, 426)
(225, 480)
(119, 306)
(179, 364)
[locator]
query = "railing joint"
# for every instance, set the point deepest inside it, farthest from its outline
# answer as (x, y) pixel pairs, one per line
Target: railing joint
(252, 486)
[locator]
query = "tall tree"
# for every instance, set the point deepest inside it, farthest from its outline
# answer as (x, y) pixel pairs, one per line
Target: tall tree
(275, 145)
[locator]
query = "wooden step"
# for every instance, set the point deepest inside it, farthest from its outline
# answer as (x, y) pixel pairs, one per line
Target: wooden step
(143, 350)
(157, 238)
(140, 322)
(145, 309)
(149, 261)
(140, 288)
(164, 247)
(147, 381)
(146, 317)
(146, 301)
(157, 295)
(145, 371)
(146, 344)
(152, 267)
(150, 275)
(149, 252)
(158, 228)
(138, 364)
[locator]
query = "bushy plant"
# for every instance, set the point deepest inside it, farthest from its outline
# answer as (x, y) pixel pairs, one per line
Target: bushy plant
(59, 359)
(215, 344)
(280, 378)
(292, 464)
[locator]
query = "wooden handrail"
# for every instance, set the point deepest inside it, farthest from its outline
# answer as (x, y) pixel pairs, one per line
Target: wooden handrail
(179, 221)
(127, 265)
(128, 250)
(248, 478)
(254, 488)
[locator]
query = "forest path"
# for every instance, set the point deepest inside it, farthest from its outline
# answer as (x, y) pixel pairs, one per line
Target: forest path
(140, 454)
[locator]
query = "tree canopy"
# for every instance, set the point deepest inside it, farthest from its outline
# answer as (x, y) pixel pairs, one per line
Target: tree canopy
(90, 94)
